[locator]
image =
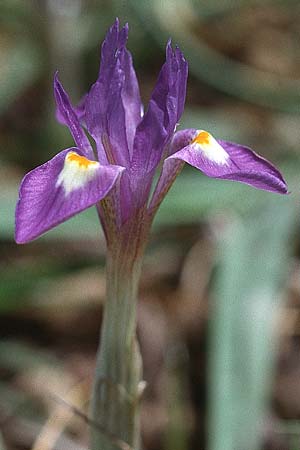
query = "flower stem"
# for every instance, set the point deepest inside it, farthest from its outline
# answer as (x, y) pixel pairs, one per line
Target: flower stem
(115, 398)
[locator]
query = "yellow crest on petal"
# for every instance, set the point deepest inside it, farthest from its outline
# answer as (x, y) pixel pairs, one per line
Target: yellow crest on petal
(76, 172)
(202, 138)
(211, 149)
(82, 161)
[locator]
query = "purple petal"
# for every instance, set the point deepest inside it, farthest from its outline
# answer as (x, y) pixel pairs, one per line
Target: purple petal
(131, 99)
(169, 92)
(165, 109)
(69, 117)
(105, 119)
(170, 169)
(79, 111)
(59, 189)
(150, 136)
(230, 161)
(113, 106)
(181, 139)
(114, 50)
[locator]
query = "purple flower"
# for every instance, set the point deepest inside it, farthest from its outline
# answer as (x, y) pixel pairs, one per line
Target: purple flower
(130, 147)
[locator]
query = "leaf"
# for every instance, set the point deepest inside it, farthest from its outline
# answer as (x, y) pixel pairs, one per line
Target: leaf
(253, 266)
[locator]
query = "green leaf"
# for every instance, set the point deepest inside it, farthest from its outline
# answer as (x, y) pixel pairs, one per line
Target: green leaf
(253, 265)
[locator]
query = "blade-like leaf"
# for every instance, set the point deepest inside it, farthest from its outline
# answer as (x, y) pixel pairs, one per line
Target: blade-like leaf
(253, 265)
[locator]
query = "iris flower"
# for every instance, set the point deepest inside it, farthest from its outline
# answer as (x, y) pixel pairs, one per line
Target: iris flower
(125, 167)
(130, 147)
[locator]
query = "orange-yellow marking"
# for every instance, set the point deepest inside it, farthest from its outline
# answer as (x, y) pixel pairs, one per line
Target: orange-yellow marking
(82, 161)
(202, 138)
(76, 172)
(204, 142)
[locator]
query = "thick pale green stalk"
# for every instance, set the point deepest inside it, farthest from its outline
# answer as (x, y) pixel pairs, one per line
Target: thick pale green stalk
(115, 398)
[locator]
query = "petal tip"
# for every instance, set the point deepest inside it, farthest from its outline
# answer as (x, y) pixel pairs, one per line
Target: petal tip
(116, 24)
(21, 240)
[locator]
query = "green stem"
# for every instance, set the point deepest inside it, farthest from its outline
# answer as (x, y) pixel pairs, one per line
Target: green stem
(115, 398)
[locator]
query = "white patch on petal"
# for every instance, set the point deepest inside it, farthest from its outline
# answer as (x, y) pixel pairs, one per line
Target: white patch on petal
(76, 173)
(142, 111)
(207, 144)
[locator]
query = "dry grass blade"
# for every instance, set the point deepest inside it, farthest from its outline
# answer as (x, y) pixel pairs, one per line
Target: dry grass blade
(2, 446)
(59, 419)
(92, 423)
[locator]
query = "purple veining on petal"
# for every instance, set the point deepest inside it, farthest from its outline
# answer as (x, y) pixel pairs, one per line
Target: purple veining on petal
(69, 116)
(43, 203)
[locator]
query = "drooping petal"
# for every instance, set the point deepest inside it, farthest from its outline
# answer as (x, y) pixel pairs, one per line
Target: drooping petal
(59, 189)
(113, 106)
(227, 160)
(165, 108)
(69, 117)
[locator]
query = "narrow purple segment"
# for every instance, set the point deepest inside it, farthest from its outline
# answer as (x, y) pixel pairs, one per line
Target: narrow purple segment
(169, 92)
(79, 110)
(131, 99)
(114, 52)
(165, 108)
(242, 165)
(170, 169)
(70, 118)
(43, 204)
(113, 105)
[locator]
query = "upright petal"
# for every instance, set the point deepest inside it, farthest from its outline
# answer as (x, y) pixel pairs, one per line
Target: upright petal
(79, 110)
(170, 169)
(59, 189)
(227, 160)
(165, 108)
(170, 90)
(69, 117)
(113, 106)
(113, 49)
(131, 99)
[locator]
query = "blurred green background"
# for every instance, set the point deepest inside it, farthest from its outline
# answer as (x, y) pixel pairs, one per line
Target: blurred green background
(219, 311)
